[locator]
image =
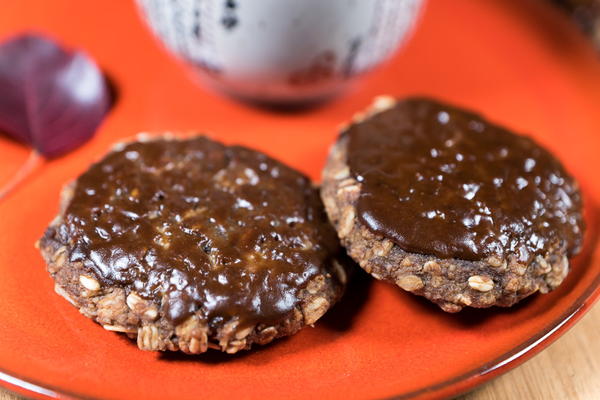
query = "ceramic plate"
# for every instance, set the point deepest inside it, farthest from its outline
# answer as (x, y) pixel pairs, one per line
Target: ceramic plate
(519, 62)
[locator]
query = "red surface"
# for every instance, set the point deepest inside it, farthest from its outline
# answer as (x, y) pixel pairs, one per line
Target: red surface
(519, 62)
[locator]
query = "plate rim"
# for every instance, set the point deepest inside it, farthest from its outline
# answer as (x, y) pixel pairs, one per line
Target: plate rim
(477, 376)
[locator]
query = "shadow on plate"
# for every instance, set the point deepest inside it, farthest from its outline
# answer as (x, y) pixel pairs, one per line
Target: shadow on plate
(342, 315)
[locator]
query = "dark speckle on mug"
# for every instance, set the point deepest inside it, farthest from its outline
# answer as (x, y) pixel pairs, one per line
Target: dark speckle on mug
(348, 67)
(229, 20)
(196, 28)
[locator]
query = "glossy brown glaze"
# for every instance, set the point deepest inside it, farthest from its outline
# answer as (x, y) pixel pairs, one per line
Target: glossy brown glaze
(198, 226)
(440, 180)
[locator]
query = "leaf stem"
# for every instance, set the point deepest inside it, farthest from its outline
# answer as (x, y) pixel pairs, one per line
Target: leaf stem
(22, 173)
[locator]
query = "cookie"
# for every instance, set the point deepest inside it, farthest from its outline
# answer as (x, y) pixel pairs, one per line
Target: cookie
(191, 244)
(449, 206)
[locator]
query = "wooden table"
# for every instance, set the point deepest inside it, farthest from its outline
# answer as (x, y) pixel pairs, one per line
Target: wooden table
(568, 369)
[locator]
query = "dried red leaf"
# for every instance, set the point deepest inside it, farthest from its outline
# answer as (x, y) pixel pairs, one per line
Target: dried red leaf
(51, 98)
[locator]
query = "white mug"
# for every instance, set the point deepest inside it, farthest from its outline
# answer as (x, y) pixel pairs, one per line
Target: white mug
(281, 51)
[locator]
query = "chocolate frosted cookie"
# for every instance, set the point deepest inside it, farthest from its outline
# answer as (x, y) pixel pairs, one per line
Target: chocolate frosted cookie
(190, 244)
(450, 206)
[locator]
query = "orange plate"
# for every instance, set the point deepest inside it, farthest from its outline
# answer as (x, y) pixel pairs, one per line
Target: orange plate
(519, 62)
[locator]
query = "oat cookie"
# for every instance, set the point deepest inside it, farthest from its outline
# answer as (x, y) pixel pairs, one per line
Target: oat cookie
(190, 244)
(449, 206)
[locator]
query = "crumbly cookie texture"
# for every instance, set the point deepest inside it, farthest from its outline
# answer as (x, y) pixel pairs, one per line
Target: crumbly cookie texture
(450, 283)
(121, 309)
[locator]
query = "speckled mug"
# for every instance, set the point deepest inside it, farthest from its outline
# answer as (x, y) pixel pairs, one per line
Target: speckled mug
(281, 51)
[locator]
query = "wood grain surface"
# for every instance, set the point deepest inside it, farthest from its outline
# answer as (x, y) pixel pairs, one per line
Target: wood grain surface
(568, 369)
